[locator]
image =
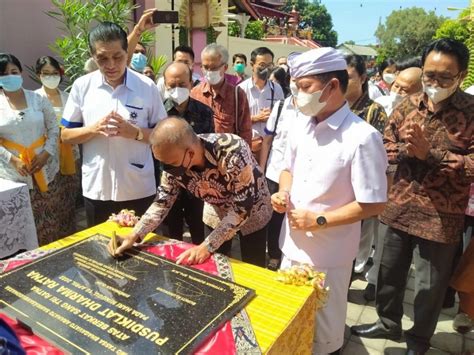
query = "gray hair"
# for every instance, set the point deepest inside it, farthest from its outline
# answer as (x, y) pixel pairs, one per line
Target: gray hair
(218, 50)
(173, 131)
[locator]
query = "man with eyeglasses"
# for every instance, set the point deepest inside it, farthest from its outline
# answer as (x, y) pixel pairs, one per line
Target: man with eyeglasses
(218, 169)
(430, 148)
(261, 93)
(229, 103)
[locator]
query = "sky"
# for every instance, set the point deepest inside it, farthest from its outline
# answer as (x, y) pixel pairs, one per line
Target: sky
(357, 20)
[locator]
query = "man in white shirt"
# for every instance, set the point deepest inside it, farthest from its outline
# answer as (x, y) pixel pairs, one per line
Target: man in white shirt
(111, 112)
(283, 118)
(333, 177)
(408, 82)
(261, 93)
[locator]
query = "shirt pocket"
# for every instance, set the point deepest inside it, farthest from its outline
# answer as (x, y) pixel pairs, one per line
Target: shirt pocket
(137, 112)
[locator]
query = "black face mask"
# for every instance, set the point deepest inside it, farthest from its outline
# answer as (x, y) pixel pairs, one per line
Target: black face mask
(177, 170)
(263, 74)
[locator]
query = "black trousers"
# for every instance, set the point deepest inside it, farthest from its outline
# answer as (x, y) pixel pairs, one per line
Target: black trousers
(98, 211)
(274, 226)
(433, 266)
(186, 207)
(252, 246)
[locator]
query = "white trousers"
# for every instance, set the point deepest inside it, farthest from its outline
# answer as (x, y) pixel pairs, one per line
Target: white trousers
(368, 235)
(330, 320)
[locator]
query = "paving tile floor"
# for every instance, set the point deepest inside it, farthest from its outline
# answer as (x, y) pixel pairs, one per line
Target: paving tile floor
(359, 311)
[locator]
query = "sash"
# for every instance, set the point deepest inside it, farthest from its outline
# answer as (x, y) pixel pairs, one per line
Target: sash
(26, 155)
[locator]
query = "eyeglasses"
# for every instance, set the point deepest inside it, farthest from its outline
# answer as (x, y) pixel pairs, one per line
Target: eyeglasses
(442, 80)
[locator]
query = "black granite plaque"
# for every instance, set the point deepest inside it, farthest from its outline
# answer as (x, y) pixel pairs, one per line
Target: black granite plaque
(85, 301)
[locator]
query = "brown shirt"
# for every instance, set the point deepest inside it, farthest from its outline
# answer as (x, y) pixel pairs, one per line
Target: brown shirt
(428, 198)
(224, 106)
(370, 111)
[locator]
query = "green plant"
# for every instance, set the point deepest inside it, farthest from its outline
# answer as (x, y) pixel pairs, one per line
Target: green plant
(469, 80)
(76, 17)
(183, 36)
(234, 29)
(211, 35)
(157, 63)
(254, 30)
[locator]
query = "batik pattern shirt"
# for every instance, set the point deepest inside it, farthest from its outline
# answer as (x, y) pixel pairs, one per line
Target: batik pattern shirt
(429, 197)
(231, 184)
(370, 112)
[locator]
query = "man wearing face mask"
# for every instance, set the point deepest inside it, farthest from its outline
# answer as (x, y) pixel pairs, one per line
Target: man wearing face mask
(261, 92)
(136, 50)
(218, 169)
(333, 177)
(408, 82)
(283, 118)
(178, 103)
(430, 146)
(229, 103)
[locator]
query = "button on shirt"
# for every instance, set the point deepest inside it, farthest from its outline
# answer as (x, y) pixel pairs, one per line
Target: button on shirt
(115, 168)
(333, 163)
(259, 99)
(289, 117)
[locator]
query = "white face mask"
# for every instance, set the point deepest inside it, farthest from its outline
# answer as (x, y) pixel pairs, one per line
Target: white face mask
(396, 98)
(389, 78)
(437, 94)
(50, 81)
(309, 104)
(213, 77)
(293, 88)
(178, 95)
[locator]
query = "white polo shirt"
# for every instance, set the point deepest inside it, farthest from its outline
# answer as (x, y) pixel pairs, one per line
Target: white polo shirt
(115, 168)
(259, 99)
(333, 163)
(289, 119)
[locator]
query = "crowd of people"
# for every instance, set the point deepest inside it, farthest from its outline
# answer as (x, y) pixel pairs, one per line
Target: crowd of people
(308, 160)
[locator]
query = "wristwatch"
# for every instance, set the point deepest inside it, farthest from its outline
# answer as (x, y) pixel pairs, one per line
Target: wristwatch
(139, 136)
(321, 221)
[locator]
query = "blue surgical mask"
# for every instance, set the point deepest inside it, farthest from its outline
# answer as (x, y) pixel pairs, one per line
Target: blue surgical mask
(11, 83)
(138, 62)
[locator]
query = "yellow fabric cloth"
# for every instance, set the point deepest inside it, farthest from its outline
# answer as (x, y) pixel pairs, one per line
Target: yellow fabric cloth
(67, 162)
(282, 316)
(26, 155)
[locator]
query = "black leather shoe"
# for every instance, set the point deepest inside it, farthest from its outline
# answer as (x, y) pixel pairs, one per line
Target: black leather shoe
(375, 330)
(414, 352)
(369, 292)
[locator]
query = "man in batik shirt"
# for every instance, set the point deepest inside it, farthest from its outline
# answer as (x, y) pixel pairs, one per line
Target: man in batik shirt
(220, 170)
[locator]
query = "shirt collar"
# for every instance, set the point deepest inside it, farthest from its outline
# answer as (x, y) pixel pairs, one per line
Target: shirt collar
(455, 100)
(129, 80)
(206, 89)
(335, 120)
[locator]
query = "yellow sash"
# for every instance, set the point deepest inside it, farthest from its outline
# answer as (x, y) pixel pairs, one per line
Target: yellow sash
(67, 163)
(26, 155)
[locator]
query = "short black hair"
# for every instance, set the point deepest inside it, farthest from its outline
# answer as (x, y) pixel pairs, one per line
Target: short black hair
(358, 63)
(184, 49)
(6, 59)
(239, 55)
(260, 51)
(187, 68)
(107, 32)
(386, 63)
(42, 61)
(449, 46)
(340, 75)
(411, 62)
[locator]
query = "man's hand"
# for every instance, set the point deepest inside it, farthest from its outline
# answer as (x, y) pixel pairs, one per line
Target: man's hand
(146, 22)
(417, 144)
(19, 166)
(123, 243)
(195, 255)
(38, 162)
(105, 126)
(122, 127)
(302, 220)
(281, 201)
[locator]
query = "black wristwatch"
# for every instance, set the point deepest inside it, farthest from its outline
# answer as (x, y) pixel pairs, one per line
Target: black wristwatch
(321, 221)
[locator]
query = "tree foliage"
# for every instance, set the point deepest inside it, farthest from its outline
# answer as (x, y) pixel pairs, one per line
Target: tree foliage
(454, 28)
(406, 32)
(76, 18)
(315, 15)
(254, 30)
(234, 29)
